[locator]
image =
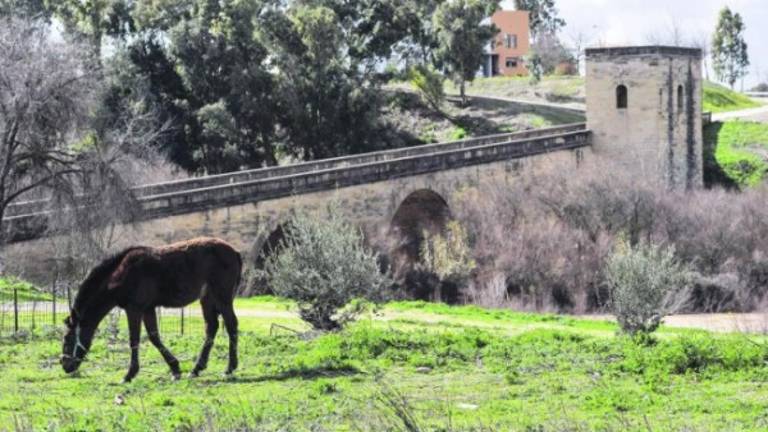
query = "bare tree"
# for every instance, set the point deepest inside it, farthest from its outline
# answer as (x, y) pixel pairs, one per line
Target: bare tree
(66, 139)
(45, 92)
(702, 40)
(671, 34)
(579, 41)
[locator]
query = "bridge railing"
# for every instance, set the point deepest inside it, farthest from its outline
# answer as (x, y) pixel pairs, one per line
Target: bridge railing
(218, 196)
(29, 226)
(30, 207)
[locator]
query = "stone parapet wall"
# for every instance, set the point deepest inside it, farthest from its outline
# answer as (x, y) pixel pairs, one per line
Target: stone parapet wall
(32, 207)
(442, 158)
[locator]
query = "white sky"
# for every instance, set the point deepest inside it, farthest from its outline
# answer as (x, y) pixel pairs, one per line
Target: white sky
(628, 22)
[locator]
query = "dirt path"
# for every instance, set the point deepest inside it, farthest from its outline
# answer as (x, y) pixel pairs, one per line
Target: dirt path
(722, 323)
(749, 323)
(759, 114)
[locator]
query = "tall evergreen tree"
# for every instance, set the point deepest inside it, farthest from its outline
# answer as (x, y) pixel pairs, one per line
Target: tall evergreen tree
(544, 23)
(543, 16)
(730, 58)
(327, 105)
(462, 34)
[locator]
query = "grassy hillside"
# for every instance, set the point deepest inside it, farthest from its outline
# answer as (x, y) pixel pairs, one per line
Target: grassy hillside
(412, 116)
(737, 151)
(563, 89)
(566, 89)
(412, 367)
(25, 291)
(721, 99)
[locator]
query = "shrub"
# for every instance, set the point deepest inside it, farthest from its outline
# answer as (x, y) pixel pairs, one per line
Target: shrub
(323, 266)
(646, 283)
(449, 256)
(429, 83)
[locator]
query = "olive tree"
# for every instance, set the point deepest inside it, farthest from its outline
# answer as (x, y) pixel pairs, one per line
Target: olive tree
(646, 283)
(324, 265)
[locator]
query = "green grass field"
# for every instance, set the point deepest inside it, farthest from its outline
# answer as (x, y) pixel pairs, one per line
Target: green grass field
(411, 366)
(740, 150)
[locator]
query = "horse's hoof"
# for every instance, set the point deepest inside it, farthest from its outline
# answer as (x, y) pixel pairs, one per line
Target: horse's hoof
(176, 376)
(194, 374)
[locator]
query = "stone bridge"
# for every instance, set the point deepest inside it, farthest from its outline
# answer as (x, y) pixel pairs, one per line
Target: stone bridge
(408, 189)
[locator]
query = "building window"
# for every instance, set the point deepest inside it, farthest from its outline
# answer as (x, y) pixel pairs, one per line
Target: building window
(622, 97)
(512, 62)
(680, 98)
(510, 40)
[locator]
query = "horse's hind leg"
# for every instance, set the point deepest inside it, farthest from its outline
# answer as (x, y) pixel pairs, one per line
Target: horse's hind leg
(211, 316)
(230, 321)
(150, 323)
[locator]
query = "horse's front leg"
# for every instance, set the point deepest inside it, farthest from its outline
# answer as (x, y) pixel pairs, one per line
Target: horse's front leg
(134, 330)
(150, 323)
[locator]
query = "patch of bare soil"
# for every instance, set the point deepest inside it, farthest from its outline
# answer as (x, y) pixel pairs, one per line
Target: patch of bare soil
(722, 323)
(407, 112)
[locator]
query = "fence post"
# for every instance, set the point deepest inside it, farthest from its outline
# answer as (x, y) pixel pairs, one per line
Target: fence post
(15, 310)
(182, 321)
(54, 301)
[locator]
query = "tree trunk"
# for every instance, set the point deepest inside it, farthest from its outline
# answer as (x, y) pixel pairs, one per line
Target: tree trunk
(462, 87)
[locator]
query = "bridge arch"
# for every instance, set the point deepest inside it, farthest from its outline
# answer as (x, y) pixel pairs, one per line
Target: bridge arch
(422, 211)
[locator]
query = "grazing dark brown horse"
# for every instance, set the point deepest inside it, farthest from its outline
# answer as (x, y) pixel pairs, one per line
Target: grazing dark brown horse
(139, 279)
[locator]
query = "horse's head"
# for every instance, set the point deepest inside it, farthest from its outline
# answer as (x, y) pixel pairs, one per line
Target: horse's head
(77, 342)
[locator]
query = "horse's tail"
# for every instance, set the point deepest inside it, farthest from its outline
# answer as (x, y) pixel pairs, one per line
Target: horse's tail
(239, 273)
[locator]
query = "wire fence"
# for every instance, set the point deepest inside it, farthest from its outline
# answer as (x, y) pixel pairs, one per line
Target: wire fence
(25, 311)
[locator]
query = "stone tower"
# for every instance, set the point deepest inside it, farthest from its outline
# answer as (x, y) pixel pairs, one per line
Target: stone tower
(644, 110)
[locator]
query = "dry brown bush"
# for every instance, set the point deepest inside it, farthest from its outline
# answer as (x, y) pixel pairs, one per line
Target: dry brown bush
(547, 238)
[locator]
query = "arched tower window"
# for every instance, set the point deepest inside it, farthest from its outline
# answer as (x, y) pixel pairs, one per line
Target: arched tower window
(680, 98)
(622, 97)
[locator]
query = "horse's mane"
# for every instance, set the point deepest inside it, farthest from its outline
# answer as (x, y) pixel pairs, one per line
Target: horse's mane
(96, 278)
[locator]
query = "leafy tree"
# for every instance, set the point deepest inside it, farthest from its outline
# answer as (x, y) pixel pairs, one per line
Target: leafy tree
(207, 75)
(323, 266)
(24, 9)
(230, 92)
(419, 42)
(372, 28)
(729, 50)
(327, 105)
(462, 34)
(543, 16)
(94, 19)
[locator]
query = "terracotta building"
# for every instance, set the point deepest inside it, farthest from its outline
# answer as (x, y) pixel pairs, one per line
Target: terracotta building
(505, 54)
